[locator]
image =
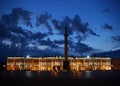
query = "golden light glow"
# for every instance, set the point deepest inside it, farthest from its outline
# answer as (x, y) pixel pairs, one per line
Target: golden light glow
(52, 63)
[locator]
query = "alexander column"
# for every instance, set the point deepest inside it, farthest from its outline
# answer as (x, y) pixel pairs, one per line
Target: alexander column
(66, 61)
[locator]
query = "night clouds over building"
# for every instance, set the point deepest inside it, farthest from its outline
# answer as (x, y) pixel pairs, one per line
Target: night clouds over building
(36, 27)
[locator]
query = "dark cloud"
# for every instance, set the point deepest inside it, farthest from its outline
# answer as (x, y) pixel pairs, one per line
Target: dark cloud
(4, 31)
(73, 25)
(16, 14)
(18, 31)
(9, 28)
(43, 20)
(78, 26)
(107, 26)
(39, 35)
(60, 25)
(116, 38)
(12, 32)
(19, 36)
(106, 11)
(66, 23)
(49, 43)
(56, 24)
(93, 33)
(80, 37)
(9, 20)
(59, 41)
(80, 48)
(28, 38)
(82, 27)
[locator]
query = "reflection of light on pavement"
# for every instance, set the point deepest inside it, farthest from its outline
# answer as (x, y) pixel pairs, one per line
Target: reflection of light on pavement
(87, 74)
(38, 72)
(77, 74)
(28, 73)
(11, 73)
(55, 74)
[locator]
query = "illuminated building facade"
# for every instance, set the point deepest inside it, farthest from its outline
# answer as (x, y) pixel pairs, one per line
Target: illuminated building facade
(56, 63)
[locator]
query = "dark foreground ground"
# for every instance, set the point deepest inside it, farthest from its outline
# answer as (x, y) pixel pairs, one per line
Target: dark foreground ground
(14, 81)
(84, 78)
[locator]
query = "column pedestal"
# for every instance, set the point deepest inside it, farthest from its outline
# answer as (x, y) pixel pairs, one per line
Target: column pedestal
(66, 66)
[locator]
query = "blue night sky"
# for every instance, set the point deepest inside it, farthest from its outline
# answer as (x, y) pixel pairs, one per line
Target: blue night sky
(36, 27)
